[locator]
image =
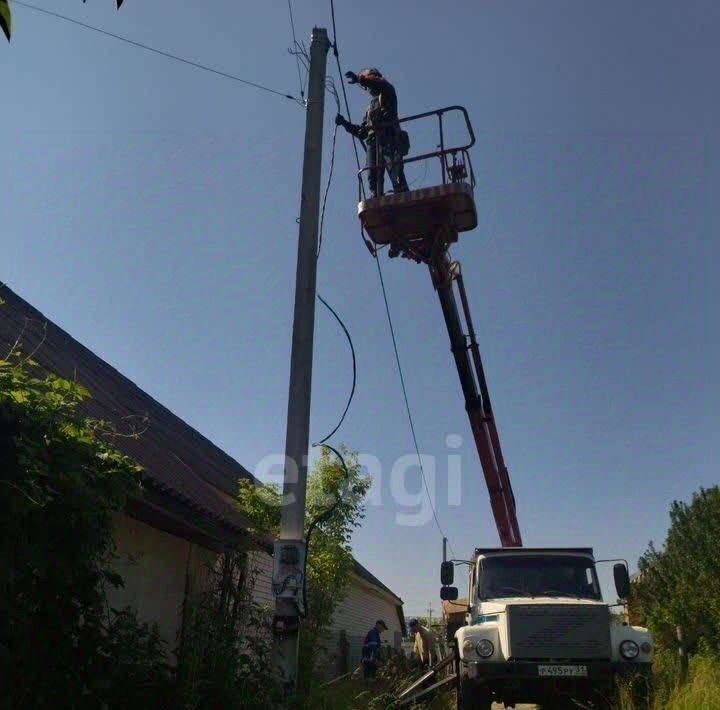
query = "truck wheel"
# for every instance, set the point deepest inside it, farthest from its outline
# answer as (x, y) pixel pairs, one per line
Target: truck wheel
(472, 696)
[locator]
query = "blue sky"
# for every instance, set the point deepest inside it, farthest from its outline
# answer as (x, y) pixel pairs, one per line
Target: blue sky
(149, 209)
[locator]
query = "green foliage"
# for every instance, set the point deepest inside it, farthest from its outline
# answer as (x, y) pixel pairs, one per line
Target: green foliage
(6, 17)
(225, 654)
(355, 693)
(680, 584)
(701, 692)
(331, 489)
(61, 481)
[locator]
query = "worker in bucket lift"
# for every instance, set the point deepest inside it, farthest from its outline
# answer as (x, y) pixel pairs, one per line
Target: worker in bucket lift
(386, 142)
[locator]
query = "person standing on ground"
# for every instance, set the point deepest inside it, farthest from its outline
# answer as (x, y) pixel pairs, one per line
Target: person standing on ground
(425, 644)
(371, 649)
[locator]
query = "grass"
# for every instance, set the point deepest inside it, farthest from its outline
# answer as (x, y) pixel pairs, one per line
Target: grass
(358, 694)
(700, 692)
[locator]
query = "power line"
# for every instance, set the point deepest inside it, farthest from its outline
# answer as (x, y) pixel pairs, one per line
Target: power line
(332, 90)
(162, 53)
(295, 51)
(336, 52)
(407, 403)
(354, 372)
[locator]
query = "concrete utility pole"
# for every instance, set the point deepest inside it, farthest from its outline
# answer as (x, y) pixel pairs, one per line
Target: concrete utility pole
(289, 553)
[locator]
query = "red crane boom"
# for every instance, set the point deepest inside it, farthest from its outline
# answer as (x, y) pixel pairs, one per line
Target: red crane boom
(468, 362)
(420, 225)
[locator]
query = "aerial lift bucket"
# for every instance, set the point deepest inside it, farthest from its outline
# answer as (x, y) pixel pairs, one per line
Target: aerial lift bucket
(420, 224)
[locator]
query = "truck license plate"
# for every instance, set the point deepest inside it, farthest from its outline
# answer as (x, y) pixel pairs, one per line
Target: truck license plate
(563, 671)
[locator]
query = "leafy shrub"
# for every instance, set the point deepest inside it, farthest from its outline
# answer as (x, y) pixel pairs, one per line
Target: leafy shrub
(61, 482)
(680, 583)
(225, 652)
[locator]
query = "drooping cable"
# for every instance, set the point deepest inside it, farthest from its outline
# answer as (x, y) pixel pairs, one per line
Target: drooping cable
(354, 371)
(325, 515)
(321, 518)
(160, 52)
(336, 52)
(322, 443)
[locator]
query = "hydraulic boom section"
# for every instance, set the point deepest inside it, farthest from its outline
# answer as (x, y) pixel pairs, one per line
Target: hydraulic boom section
(420, 225)
(447, 277)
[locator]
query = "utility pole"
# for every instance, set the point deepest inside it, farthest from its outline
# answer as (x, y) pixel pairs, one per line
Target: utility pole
(289, 551)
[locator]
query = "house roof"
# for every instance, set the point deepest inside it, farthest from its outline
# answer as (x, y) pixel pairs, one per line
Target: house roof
(179, 462)
(370, 578)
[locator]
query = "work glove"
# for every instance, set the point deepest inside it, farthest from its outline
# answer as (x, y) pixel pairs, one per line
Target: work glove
(352, 77)
(340, 121)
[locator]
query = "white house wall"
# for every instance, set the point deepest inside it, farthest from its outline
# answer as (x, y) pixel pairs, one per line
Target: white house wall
(261, 566)
(358, 612)
(157, 569)
(355, 614)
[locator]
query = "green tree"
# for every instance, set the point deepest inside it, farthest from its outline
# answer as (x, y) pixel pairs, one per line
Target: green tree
(61, 482)
(335, 508)
(5, 19)
(680, 583)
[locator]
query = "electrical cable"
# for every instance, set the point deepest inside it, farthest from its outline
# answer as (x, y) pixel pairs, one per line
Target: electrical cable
(407, 404)
(303, 612)
(321, 518)
(336, 52)
(297, 57)
(332, 90)
(387, 306)
(300, 53)
(420, 178)
(162, 53)
(354, 371)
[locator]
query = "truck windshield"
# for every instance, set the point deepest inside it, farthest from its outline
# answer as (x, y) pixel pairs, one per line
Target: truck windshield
(538, 575)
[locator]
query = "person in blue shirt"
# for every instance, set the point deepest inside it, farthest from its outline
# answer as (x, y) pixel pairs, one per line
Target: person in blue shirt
(371, 648)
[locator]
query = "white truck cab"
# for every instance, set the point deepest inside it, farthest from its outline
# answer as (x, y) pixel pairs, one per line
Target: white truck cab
(537, 631)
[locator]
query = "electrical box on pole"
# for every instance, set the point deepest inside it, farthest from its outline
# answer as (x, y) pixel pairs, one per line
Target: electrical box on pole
(289, 555)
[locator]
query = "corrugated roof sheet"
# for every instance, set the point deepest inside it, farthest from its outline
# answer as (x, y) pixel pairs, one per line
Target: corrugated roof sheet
(177, 459)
